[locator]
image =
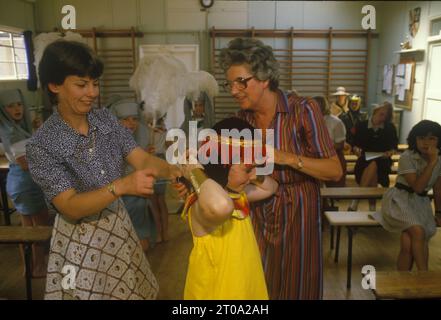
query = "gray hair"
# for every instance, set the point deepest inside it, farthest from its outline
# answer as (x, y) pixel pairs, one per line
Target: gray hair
(256, 54)
(324, 105)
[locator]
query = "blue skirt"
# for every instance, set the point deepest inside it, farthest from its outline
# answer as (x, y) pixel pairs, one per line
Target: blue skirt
(141, 217)
(26, 195)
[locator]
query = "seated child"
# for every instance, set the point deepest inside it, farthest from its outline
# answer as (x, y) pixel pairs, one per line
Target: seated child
(225, 262)
(406, 208)
(138, 208)
(26, 195)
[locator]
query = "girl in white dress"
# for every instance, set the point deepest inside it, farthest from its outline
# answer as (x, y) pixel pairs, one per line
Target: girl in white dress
(406, 208)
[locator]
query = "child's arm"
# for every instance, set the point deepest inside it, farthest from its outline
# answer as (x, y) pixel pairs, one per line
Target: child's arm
(213, 205)
(419, 183)
(256, 192)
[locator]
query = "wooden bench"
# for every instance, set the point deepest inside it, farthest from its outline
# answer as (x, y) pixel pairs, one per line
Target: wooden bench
(350, 220)
(25, 236)
(408, 285)
(351, 166)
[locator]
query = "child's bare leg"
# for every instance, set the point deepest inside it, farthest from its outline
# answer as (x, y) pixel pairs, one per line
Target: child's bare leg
(164, 216)
(405, 259)
(418, 237)
(144, 244)
(156, 211)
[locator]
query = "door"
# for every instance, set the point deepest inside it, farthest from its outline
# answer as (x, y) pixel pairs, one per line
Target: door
(432, 103)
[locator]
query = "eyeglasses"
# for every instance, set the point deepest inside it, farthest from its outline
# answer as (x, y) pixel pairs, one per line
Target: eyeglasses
(241, 83)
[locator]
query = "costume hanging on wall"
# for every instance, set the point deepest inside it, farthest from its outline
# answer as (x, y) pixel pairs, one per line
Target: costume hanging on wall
(163, 83)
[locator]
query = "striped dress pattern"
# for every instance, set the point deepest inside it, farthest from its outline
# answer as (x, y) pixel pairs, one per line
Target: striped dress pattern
(288, 225)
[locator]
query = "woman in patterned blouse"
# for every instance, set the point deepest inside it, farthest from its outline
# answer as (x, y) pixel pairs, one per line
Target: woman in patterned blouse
(288, 225)
(78, 157)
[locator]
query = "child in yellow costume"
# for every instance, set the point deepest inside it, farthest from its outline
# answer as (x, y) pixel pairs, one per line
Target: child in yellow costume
(225, 262)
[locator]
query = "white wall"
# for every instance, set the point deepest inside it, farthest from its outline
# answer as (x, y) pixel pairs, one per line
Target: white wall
(395, 19)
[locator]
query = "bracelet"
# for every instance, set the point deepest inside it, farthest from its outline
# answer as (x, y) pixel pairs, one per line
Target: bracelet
(258, 181)
(197, 178)
(111, 189)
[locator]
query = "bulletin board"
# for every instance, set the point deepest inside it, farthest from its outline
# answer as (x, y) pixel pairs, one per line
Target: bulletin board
(404, 90)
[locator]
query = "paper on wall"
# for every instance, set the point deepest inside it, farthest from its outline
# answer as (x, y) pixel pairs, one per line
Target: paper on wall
(387, 78)
(401, 70)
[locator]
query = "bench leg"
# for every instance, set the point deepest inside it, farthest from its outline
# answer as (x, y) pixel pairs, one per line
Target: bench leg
(331, 229)
(349, 266)
(337, 245)
(4, 196)
(28, 256)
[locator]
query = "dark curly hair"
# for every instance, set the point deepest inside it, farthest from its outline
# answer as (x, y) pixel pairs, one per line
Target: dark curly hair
(254, 53)
(66, 58)
(219, 172)
(424, 128)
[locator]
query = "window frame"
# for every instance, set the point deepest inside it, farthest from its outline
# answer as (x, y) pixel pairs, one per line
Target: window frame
(15, 33)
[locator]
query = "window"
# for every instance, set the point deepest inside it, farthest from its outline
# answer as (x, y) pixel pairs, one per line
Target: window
(435, 27)
(13, 60)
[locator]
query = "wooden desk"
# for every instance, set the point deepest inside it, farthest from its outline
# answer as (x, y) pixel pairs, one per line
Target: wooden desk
(25, 236)
(408, 285)
(350, 220)
(403, 147)
(350, 193)
(353, 157)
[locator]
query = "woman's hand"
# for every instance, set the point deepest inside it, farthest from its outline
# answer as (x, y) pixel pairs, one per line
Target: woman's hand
(139, 183)
(388, 154)
(22, 162)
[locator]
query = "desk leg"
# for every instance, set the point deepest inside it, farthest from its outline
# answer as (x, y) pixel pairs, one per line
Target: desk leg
(331, 230)
(337, 245)
(28, 256)
(349, 267)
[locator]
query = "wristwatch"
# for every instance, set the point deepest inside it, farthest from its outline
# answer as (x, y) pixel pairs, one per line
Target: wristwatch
(111, 189)
(299, 163)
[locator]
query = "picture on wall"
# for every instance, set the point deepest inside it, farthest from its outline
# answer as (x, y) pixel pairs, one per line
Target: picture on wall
(414, 21)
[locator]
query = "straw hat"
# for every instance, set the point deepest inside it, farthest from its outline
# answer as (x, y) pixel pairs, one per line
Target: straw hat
(341, 91)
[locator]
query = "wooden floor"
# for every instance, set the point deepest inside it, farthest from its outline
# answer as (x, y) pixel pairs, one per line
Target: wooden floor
(373, 246)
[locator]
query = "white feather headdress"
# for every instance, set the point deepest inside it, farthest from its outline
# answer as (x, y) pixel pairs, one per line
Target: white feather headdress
(42, 40)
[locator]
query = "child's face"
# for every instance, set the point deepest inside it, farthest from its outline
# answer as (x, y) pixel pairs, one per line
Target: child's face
(198, 109)
(240, 175)
(15, 110)
(341, 99)
(426, 142)
(379, 117)
(130, 123)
